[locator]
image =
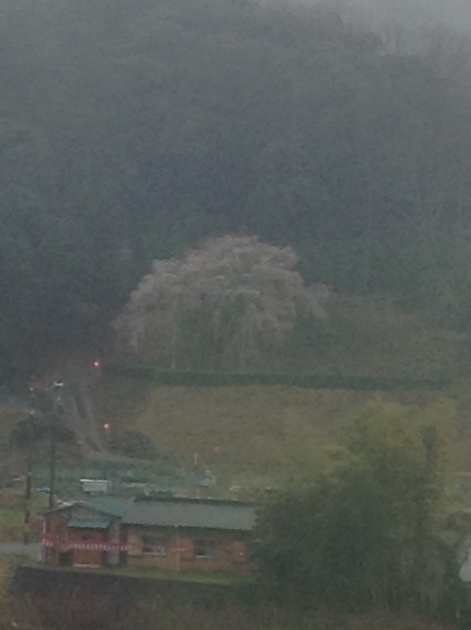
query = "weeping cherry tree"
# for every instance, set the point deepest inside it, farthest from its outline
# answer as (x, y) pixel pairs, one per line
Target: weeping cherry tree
(221, 306)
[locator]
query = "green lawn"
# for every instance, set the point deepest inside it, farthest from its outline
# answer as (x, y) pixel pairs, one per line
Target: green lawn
(11, 516)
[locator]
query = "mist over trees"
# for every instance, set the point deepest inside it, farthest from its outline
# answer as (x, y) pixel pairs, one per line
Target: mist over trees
(131, 131)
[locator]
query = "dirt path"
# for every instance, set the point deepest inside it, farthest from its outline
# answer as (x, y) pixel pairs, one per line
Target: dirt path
(33, 550)
(76, 377)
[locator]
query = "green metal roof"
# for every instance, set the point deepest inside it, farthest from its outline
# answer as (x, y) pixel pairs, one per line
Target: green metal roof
(108, 505)
(228, 515)
(89, 523)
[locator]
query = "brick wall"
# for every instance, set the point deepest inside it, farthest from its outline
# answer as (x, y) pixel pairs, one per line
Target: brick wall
(228, 549)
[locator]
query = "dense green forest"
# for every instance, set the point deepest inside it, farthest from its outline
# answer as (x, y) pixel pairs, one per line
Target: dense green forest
(129, 131)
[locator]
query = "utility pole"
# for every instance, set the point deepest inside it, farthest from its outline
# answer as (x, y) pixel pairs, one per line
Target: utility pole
(29, 460)
(52, 461)
(56, 388)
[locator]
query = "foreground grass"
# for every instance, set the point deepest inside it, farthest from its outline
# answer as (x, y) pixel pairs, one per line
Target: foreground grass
(154, 616)
(200, 577)
(102, 613)
(95, 616)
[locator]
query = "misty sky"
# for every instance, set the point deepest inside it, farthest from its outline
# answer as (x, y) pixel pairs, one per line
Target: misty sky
(423, 13)
(455, 13)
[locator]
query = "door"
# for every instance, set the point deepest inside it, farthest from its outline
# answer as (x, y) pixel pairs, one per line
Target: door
(66, 559)
(88, 556)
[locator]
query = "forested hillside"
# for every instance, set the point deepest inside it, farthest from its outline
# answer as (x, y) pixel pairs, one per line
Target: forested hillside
(131, 130)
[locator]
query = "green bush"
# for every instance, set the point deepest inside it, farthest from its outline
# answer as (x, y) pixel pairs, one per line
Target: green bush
(366, 533)
(133, 443)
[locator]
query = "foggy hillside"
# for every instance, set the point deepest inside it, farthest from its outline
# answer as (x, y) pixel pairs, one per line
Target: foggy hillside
(405, 25)
(417, 22)
(131, 131)
(421, 14)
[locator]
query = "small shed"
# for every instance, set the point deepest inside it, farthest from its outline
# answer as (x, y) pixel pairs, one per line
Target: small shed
(94, 486)
(85, 533)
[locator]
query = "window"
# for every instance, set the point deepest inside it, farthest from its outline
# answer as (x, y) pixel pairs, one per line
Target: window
(206, 548)
(155, 544)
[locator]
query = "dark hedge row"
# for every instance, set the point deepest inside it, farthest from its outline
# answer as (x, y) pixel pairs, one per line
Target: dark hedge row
(240, 379)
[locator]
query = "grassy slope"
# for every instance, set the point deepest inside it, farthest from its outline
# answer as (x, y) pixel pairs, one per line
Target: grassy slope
(252, 431)
(243, 429)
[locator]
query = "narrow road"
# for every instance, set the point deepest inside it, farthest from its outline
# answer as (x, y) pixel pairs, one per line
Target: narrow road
(76, 398)
(33, 550)
(74, 379)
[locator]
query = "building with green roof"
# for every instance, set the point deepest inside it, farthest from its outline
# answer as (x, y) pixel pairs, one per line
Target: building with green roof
(163, 532)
